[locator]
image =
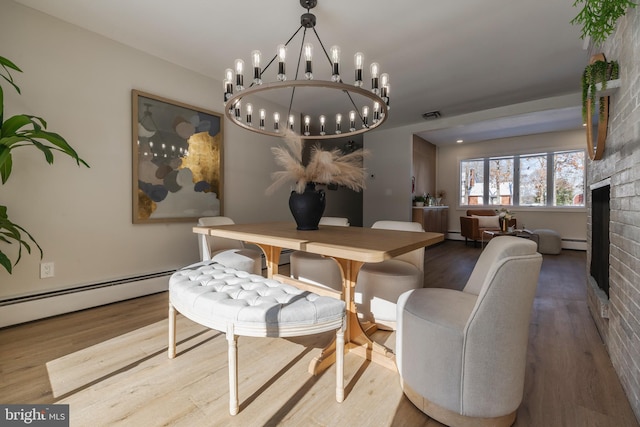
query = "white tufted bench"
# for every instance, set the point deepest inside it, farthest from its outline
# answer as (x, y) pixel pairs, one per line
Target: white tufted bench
(240, 303)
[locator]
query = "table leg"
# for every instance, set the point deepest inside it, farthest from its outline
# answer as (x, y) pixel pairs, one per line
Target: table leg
(356, 339)
(272, 256)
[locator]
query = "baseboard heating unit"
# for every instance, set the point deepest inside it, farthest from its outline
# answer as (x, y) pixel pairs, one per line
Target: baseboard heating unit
(46, 304)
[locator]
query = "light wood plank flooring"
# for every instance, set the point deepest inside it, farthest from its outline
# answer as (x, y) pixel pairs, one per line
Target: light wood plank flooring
(109, 363)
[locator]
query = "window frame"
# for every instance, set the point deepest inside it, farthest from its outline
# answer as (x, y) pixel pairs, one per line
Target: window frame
(550, 181)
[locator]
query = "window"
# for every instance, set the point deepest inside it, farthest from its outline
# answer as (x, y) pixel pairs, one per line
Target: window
(533, 180)
(472, 182)
(568, 178)
(541, 179)
(501, 181)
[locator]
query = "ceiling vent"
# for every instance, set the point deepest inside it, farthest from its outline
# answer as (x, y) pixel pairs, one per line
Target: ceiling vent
(431, 115)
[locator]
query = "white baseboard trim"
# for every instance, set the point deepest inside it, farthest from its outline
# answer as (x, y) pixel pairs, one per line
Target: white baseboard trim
(23, 310)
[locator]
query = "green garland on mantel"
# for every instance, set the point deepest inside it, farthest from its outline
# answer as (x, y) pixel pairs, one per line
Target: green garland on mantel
(599, 17)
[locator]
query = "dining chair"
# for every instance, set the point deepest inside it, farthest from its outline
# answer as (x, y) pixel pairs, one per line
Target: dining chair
(379, 284)
(316, 269)
(229, 252)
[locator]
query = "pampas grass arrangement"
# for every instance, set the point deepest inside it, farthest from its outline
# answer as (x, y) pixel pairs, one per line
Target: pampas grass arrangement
(325, 166)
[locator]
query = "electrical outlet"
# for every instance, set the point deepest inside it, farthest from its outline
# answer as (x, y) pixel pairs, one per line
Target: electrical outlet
(46, 270)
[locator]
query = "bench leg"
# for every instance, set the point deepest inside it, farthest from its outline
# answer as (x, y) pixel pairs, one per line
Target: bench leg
(233, 370)
(172, 332)
(340, 364)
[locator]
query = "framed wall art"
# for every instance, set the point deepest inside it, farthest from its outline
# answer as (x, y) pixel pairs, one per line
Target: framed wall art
(177, 160)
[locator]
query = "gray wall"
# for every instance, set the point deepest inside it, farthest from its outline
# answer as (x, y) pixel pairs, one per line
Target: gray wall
(621, 163)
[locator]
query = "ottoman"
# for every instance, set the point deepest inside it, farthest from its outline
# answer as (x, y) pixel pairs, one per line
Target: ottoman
(549, 241)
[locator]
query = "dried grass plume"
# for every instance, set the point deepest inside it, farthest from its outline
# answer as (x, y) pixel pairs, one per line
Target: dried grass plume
(325, 166)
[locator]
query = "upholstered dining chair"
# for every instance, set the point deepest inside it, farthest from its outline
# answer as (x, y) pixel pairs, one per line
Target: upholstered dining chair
(461, 354)
(316, 269)
(228, 252)
(380, 284)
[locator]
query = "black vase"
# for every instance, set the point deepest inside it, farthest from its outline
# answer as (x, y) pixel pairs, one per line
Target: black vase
(307, 208)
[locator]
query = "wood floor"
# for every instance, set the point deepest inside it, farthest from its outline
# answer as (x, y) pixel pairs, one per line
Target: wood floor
(110, 365)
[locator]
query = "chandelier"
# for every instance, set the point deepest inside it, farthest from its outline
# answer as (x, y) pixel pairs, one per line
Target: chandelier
(317, 108)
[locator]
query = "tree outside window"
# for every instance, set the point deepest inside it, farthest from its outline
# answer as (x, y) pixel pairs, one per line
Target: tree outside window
(501, 181)
(472, 182)
(568, 178)
(533, 180)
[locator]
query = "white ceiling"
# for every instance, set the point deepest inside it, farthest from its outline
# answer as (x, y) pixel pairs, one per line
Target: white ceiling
(454, 57)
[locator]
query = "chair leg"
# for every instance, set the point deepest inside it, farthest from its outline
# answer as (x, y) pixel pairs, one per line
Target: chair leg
(172, 332)
(340, 364)
(233, 370)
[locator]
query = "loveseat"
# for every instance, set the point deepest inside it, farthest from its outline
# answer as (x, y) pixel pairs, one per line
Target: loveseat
(478, 221)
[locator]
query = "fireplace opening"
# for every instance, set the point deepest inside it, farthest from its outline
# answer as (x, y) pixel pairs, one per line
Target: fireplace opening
(600, 236)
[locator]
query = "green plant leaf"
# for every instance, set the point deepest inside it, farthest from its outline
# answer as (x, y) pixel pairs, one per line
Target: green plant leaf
(48, 154)
(6, 64)
(5, 262)
(1, 106)
(11, 232)
(11, 126)
(599, 17)
(6, 163)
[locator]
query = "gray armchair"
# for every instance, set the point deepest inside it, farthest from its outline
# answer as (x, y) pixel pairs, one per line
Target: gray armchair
(461, 354)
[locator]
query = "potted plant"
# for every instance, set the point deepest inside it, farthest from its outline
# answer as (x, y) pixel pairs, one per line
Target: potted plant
(419, 201)
(18, 131)
(598, 71)
(324, 167)
(505, 216)
(599, 18)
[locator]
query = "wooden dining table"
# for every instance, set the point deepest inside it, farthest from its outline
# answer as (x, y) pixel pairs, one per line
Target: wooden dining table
(350, 247)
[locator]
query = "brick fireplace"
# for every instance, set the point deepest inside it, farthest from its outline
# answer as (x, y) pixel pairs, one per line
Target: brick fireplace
(616, 307)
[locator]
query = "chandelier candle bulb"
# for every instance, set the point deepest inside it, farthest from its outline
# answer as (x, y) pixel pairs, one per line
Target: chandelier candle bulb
(276, 122)
(322, 121)
(263, 115)
(292, 120)
(228, 89)
(375, 74)
(335, 60)
(365, 116)
(282, 56)
(249, 109)
(338, 124)
(237, 111)
(257, 71)
(387, 89)
(239, 74)
(228, 79)
(358, 59)
(376, 112)
(308, 53)
(307, 122)
(384, 83)
(352, 121)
